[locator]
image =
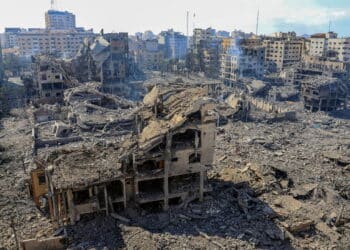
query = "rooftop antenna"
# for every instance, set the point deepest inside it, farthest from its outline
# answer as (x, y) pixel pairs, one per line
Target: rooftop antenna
(53, 4)
(257, 23)
(330, 17)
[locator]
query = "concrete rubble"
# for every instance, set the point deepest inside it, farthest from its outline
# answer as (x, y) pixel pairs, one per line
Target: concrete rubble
(195, 165)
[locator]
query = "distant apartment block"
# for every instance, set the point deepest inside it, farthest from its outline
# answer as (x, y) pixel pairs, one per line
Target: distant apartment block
(66, 43)
(240, 61)
(59, 20)
(104, 58)
(283, 50)
(175, 44)
(10, 37)
(329, 45)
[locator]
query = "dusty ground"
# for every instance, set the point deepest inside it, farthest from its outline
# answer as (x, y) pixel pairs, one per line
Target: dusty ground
(281, 185)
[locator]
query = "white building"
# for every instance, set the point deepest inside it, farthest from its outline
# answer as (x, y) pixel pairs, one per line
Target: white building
(59, 20)
(64, 42)
(329, 45)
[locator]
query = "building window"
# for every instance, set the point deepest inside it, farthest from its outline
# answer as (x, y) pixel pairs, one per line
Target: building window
(194, 158)
(42, 179)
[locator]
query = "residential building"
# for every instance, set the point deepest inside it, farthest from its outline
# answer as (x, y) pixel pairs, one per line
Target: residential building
(202, 35)
(65, 43)
(329, 45)
(105, 58)
(50, 79)
(175, 44)
(59, 20)
(282, 52)
(10, 37)
(312, 66)
(320, 93)
(205, 52)
(239, 61)
(223, 34)
(2, 70)
(148, 157)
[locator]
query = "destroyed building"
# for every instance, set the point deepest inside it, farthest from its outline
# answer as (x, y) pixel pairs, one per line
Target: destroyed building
(242, 61)
(105, 58)
(51, 77)
(154, 155)
(316, 66)
(321, 93)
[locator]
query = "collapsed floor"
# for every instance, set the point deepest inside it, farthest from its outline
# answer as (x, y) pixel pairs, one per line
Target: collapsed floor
(275, 185)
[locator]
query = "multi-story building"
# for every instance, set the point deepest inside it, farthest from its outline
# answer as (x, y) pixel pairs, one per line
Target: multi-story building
(105, 58)
(60, 37)
(155, 160)
(323, 93)
(66, 43)
(205, 52)
(329, 45)
(283, 50)
(59, 20)
(1, 66)
(223, 34)
(151, 57)
(50, 79)
(175, 44)
(240, 61)
(202, 35)
(10, 37)
(312, 66)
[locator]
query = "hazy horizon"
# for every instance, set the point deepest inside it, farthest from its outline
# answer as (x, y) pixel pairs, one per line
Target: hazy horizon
(137, 16)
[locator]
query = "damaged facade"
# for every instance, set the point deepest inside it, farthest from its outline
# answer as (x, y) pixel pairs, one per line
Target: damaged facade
(155, 155)
(241, 60)
(105, 58)
(51, 78)
(323, 93)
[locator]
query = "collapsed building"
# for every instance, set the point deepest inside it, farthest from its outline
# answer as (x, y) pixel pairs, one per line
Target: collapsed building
(149, 156)
(321, 93)
(316, 66)
(242, 61)
(104, 59)
(51, 78)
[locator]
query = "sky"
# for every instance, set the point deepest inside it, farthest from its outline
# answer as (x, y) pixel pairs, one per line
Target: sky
(302, 16)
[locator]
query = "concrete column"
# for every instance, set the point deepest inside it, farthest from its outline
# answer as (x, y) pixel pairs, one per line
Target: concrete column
(167, 163)
(201, 184)
(71, 207)
(124, 192)
(106, 199)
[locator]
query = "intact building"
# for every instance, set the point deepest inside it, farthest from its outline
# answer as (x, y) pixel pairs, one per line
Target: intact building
(10, 37)
(65, 43)
(59, 20)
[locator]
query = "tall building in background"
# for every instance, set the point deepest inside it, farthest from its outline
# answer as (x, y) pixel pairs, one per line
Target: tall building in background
(59, 20)
(329, 45)
(10, 37)
(175, 44)
(63, 43)
(1, 65)
(60, 36)
(283, 50)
